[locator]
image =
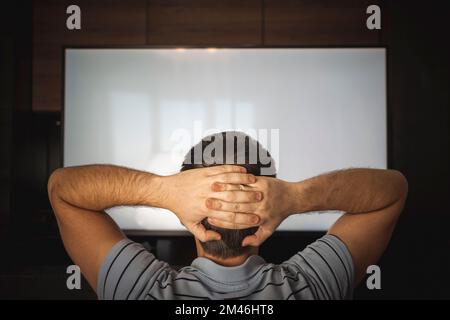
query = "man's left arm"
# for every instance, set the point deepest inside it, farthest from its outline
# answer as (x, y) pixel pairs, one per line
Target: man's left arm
(79, 196)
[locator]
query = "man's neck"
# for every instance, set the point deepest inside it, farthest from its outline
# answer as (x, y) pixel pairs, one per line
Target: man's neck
(228, 262)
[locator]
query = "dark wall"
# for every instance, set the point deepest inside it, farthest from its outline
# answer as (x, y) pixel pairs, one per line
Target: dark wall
(6, 109)
(15, 70)
(417, 261)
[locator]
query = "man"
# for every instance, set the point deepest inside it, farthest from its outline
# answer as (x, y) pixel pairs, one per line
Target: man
(230, 209)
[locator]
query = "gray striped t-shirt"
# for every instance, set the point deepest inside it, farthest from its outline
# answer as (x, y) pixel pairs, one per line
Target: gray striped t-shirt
(323, 270)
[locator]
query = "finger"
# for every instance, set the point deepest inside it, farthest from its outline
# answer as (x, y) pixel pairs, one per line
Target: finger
(260, 183)
(239, 196)
(220, 205)
(218, 186)
(237, 178)
(235, 217)
(257, 238)
(200, 232)
(227, 168)
(251, 240)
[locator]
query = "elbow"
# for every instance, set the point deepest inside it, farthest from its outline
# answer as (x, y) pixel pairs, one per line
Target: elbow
(401, 184)
(53, 183)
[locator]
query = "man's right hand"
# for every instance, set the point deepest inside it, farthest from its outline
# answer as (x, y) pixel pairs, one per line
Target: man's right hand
(275, 206)
(189, 193)
(372, 200)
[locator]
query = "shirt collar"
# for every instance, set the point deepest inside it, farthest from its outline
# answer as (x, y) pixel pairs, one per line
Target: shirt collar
(224, 274)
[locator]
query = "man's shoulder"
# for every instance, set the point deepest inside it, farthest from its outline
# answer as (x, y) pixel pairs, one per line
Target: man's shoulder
(127, 270)
(328, 265)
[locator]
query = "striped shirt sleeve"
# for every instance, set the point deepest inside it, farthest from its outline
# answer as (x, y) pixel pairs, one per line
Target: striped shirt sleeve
(328, 267)
(126, 272)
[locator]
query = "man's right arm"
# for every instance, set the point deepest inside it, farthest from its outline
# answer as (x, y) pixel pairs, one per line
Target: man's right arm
(372, 200)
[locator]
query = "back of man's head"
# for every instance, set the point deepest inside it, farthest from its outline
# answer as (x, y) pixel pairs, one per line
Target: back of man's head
(230, 147)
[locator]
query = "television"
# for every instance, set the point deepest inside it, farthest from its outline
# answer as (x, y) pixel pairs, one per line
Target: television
(315, 109)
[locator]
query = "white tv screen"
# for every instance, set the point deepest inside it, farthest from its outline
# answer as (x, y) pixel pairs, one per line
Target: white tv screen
(316, 110)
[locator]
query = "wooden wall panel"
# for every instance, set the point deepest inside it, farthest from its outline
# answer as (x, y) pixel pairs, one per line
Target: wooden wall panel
(204, 22)
(187, 23)
(318, 23)
(104, 22)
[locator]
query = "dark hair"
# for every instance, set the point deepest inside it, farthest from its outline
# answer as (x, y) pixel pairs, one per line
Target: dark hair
(241, 153)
